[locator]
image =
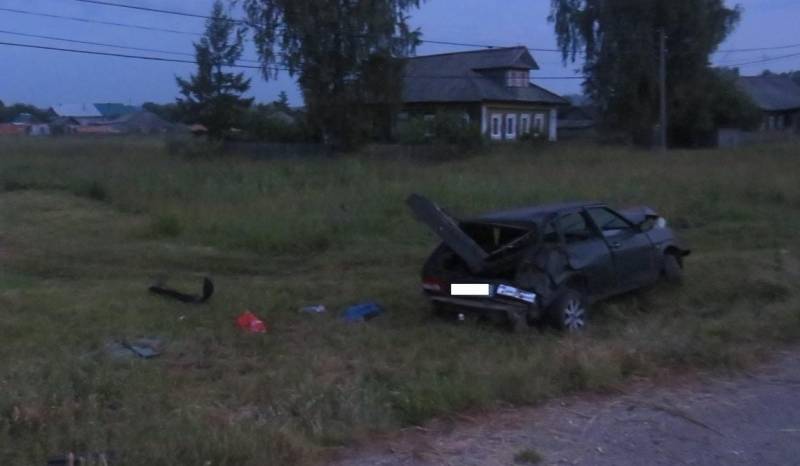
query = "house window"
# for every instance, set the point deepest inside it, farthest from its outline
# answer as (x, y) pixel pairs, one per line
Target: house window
(517, 78)
(538, 123)
(511, 127)
(497, 126)
(525, 124)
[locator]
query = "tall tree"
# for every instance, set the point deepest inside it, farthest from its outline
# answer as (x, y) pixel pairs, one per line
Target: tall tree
(213, 97)
(344, 52)
(619, 41)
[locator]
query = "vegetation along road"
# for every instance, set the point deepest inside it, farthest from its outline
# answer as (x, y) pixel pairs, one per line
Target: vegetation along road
(87, 225)
(753, 419)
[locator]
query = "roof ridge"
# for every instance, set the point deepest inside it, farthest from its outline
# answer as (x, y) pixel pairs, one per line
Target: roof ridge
(489, 50)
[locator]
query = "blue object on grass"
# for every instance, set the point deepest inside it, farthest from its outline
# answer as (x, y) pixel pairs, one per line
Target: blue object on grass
(362, 312)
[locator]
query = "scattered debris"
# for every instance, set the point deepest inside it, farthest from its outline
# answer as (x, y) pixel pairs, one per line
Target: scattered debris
(316, 309)
(251, 323)
(208, 290)
(145, 348)
(362, 312)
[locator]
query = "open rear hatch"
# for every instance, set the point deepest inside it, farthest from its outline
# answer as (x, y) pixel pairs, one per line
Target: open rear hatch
(449, 231)
(484, 247)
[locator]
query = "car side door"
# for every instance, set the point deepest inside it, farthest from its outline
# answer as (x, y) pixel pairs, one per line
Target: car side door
(587, 252)
(632, 251)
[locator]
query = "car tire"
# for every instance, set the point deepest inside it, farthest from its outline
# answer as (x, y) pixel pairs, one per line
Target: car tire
(673, 269)
(570, 312)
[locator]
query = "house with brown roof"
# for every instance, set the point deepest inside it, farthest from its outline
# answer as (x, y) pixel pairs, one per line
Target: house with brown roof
(492, 88)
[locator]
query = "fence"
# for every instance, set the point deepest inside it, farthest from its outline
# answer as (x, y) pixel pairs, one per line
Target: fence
(729, 138)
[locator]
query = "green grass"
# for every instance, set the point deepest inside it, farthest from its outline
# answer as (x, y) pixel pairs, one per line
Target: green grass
(85, 226)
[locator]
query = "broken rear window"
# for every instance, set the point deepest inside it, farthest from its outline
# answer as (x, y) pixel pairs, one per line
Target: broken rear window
(491, 237)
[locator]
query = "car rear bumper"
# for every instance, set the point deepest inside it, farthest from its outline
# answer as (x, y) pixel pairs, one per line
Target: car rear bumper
(486, 305)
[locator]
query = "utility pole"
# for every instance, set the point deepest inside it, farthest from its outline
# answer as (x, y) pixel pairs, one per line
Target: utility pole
(662, 79)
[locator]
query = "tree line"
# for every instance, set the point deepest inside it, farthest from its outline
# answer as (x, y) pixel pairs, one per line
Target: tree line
(347, 58)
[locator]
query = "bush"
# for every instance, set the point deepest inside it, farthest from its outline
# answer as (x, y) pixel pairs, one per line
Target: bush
(414, 131)
(445, 128)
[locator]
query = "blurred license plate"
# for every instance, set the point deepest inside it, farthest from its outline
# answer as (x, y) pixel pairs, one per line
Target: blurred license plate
(516, 293)
(470, 289)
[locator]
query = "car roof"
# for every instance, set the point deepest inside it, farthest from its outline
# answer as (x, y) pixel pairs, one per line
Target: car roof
(533, 214)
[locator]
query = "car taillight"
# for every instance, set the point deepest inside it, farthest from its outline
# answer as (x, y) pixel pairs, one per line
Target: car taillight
(432, 284)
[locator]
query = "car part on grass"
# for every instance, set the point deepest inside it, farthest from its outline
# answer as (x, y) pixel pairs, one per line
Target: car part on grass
(315, 309)
(529, 263)
(362, 312)
(208, 291)
(144, 348)
(249, 322)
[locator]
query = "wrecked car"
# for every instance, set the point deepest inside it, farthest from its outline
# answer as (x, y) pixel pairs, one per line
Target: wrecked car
(545, 263)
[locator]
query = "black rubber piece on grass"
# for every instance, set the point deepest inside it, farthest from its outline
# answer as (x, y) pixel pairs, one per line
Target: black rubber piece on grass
(208, 290)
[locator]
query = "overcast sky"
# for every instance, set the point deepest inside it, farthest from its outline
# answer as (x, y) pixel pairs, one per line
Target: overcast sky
(46, 78)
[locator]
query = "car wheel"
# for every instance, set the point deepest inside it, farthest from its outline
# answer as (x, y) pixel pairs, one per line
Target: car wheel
(570, 312)
(673, 270)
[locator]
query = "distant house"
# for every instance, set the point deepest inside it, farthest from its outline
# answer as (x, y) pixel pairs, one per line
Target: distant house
(25, 119)
(141, 122)
(577, 121)
(112, 110)
(84, 114)
(63, 125)
(778, 97)
(492, 88)
(27, 123)
(109, 118)
(96, 129)
(10, 129)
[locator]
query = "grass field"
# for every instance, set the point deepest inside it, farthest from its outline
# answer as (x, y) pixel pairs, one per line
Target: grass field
(86, 226)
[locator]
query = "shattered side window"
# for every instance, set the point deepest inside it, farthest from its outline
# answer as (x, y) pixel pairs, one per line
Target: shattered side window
(574, 227)
(608, 222)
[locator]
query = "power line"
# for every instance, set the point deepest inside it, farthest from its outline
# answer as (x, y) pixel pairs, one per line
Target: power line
(248, 23)
(166, 12)
(764, 60)
(135, 57)
(103, 44)
(760, 49)
(174, 31)
(143, 8)
(94, 21)
(192, 62)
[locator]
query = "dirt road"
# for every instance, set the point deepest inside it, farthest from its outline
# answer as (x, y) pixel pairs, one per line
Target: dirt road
(752, 419)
